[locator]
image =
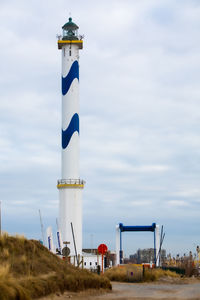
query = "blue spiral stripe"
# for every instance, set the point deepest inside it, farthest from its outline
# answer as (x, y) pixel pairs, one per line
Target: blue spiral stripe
(72, 74)
(67, 134)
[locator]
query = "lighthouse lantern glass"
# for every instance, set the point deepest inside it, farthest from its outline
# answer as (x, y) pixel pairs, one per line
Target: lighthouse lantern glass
(70, 33)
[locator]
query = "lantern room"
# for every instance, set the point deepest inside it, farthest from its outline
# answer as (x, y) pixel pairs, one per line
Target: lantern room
(70, 31)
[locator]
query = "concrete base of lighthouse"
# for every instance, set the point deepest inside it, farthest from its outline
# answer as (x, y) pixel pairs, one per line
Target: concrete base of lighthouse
(70, 212)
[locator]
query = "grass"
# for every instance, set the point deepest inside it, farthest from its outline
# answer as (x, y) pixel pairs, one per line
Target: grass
(156, 274)
(9, 286)
(28, 270)
(125, 273)
(134, 273)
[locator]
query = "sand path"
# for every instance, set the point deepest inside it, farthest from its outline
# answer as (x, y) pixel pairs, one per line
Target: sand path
(135, 291)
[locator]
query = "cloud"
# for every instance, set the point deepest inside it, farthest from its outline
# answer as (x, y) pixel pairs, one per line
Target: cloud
(180, 203)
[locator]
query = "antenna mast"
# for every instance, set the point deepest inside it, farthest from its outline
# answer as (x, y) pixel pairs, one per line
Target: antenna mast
(42, 227)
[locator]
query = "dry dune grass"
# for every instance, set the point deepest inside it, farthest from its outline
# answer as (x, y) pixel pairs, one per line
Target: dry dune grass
(28, 270)
(126, 273)
(156, 274)
(9, 287)
(134, 273)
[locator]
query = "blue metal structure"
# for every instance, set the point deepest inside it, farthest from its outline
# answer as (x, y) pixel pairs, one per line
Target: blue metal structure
(150, 228)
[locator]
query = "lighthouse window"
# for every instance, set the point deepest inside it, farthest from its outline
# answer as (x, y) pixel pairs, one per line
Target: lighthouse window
(70, 52)
(64, 51)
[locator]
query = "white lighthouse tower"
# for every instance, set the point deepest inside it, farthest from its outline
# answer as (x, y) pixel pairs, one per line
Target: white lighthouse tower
(70, 186)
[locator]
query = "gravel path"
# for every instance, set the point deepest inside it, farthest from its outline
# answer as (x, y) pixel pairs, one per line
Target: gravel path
(135, 291)
(146, 291)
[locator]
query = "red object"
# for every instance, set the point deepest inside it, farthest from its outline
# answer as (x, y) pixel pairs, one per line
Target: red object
(102, 249)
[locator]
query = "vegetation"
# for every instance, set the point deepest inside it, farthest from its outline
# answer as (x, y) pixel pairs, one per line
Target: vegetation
(125, 273)
(134, 273)
(28, 270)
(156, 274)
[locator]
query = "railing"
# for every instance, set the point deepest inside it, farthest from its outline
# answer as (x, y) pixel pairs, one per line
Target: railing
(60, 37)
(71, 181)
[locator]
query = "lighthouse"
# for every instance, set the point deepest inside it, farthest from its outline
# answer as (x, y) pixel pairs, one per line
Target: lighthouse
(70, 185)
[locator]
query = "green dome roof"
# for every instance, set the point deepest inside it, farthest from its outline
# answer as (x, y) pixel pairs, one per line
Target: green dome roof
(70, 25)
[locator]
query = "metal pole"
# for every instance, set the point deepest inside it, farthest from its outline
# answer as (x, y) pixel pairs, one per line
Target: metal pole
(42, 227)
(120, 247)
(102, 263)
(91, 242)
(155, 246)
(57, 224)
(74, 243)
(159, 252)
(161, 242)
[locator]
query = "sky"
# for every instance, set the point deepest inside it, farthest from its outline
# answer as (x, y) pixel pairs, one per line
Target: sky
(139, 118)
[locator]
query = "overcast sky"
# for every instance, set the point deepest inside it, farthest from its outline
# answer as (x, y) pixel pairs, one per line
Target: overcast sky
(139, 114)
